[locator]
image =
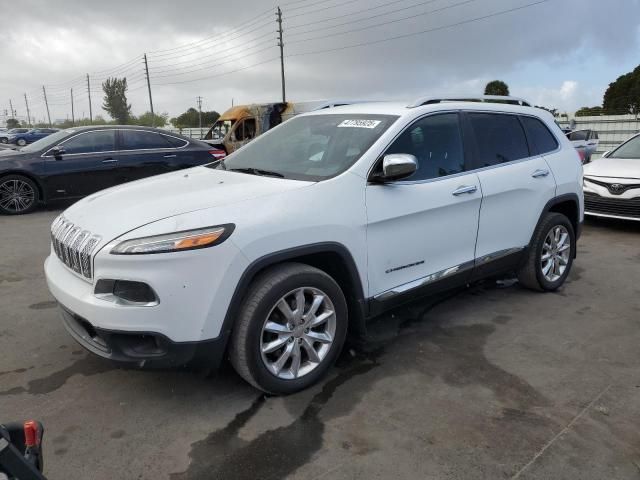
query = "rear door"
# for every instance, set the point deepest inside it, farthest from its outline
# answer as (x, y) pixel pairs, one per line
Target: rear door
(144, 153)
(86, 165)
(516, 185)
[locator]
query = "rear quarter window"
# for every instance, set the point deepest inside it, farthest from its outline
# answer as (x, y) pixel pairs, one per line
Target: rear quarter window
(541, 140)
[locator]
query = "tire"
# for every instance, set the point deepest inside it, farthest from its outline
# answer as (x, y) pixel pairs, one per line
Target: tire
(21, 142)
(547, 275)
(18, 195)
(4, 140)
(260, 318)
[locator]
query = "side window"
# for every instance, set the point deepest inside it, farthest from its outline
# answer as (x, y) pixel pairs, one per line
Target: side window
(175, 141)
(578, 136)
(436, 142)
(499, 138)
(541, 139)
(246, 130)
(92, 142)
(140, 139)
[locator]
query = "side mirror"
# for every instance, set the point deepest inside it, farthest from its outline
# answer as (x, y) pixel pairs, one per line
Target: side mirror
(58, 152)
(397, 166)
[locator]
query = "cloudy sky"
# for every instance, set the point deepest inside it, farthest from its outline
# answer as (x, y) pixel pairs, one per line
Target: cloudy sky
(557, 53)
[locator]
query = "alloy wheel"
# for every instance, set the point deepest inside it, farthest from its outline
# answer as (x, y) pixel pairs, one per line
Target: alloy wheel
(298, 333)
(16, 195)
(556, 251)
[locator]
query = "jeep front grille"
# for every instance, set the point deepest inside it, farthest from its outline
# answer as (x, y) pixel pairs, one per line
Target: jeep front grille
(73, 246)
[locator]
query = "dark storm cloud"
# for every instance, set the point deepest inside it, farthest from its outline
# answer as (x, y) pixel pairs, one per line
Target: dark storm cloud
(55, 43)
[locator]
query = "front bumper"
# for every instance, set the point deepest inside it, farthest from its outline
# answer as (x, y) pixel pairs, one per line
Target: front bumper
(142, 349)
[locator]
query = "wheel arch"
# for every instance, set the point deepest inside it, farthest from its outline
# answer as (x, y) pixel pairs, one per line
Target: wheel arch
(567, 204)
(330, 257)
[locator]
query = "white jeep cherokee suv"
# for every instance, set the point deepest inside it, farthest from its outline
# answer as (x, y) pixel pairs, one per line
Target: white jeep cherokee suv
(271, 256)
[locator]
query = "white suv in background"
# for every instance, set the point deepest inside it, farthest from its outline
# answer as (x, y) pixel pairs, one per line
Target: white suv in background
(271, 256)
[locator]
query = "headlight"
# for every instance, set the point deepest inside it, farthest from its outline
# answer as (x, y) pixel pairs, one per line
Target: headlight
(175, 242)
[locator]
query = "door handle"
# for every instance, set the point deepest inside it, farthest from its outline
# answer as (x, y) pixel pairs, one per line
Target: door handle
(465, 189)
(540, 173)
(172, 155)
(110, 160)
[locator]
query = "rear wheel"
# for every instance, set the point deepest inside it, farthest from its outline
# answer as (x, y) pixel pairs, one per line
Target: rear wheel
(550, 255)
(21, 142)
(18, 195)
(291, 328)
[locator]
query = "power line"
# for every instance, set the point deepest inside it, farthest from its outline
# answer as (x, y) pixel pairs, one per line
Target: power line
(184, 72)
(243, 46)
(465, 2)
(346, 2)
(413, 34)
(221, 74)
(216, 35)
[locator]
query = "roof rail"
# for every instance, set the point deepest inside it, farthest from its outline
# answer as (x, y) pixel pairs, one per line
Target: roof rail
(470, 98)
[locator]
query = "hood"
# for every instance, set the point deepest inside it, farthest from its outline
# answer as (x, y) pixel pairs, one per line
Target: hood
(117, 210)
(613, 168)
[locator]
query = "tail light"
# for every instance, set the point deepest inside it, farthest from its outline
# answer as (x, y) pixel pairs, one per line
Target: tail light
(217, 153)
(582, 155)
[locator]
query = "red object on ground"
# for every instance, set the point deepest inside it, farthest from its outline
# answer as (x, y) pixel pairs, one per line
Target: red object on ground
(31, 438)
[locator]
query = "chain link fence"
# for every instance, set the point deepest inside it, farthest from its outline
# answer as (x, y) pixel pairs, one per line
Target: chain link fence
(612, 129)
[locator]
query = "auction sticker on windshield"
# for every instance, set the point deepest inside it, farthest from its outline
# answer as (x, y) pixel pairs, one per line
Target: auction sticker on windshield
(360, 123)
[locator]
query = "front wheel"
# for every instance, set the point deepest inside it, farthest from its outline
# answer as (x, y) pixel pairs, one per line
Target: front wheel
(18, 195)
(550, 254)
(21, 142)
(4, 140)
(290, 330)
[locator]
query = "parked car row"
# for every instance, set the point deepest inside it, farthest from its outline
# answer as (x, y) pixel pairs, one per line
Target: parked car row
(24, 136)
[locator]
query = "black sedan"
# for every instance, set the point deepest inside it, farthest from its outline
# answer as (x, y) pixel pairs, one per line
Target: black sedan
(76, 162)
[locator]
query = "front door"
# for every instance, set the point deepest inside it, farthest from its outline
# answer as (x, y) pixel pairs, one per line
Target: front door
(422, 230)
(86, 164)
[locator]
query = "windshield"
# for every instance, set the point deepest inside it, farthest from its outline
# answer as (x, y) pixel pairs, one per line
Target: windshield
(48, 141)
(313, 147)
(630, 149)
(220, 129)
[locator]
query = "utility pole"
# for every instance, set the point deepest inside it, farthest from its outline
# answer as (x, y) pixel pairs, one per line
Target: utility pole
(146, 69)
(13, 113)
(44, 92)
(281, 45)
(199, 99)
(28, 113)
(89, 93)
(73, 117)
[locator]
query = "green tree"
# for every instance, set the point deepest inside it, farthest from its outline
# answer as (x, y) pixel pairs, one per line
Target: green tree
(189, 119)
(589, 112)
(115, 99)
(13, 123)
(496, 87)
(147, 120)
(623, 95)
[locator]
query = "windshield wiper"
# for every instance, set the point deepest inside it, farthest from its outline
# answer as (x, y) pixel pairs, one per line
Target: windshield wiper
(257, 171)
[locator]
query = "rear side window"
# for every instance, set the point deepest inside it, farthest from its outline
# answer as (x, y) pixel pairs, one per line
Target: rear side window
(540, 138)
(175, 142)
(140, 140)
(578, 136)
(437, 144)
(499, 138)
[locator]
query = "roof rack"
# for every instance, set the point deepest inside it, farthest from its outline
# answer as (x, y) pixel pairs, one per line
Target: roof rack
(470, 98)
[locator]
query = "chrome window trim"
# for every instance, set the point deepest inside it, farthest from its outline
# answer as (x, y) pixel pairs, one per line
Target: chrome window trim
(168, 134)
(475, 170)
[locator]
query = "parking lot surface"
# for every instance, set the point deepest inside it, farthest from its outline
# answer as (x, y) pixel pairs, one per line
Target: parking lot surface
(491, 382)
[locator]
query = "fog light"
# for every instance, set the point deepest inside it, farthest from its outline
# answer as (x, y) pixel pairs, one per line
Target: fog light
(126, 292)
